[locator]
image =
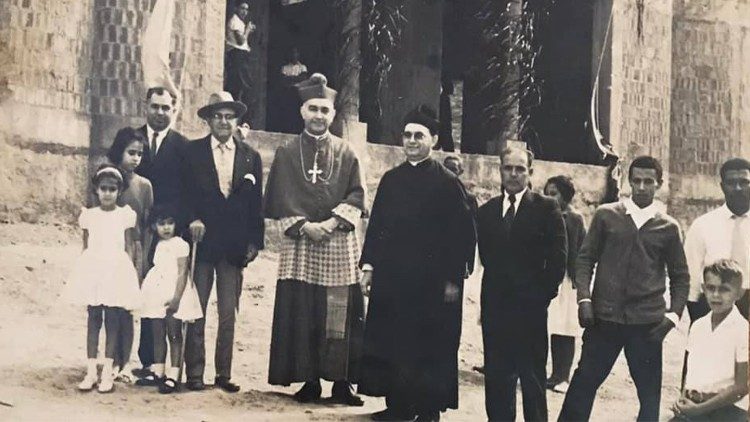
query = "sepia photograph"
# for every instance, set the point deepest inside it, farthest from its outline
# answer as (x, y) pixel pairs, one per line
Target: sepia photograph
(375, 210)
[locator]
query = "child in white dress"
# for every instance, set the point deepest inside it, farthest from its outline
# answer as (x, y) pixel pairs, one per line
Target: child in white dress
(164, 302)
(104, 277)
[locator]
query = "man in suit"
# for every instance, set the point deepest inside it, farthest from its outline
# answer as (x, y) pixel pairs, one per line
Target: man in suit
(523, 248)
(161, 166)
(163, 156)
(223, 181)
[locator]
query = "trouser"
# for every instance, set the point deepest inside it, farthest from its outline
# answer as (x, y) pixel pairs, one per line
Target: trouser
(700, 308)
(515, 346)
(602, 344)
(239, 78)
(124, 339)
(228, 286)
(562, 350)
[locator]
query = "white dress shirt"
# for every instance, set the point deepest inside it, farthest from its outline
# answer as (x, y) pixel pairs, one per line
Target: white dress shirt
(236, 24)
(159, 137)
(712, 353)
(506, 201)
(709, 239)
(224, 162)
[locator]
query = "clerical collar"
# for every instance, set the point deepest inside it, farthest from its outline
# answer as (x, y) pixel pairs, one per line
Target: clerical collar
(317, 138)
(416, 163)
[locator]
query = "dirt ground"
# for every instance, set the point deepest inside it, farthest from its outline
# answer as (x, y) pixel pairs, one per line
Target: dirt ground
(43, 353)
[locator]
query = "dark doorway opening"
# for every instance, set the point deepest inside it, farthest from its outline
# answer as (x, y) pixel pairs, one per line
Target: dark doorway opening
(309, 28)
(559, 127)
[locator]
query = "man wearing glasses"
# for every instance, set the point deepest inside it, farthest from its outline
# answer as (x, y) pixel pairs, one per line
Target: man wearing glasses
(419, 243)
(223, 194)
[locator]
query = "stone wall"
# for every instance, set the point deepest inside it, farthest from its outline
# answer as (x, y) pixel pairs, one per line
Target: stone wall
(70, 77)
(481, 176)
(710, 116)
(641, 58)
(45, 58)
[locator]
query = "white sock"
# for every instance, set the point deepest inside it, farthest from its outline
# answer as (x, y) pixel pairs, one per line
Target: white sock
(158, 369)
(107, 367)
(91, 367)
(172, 372)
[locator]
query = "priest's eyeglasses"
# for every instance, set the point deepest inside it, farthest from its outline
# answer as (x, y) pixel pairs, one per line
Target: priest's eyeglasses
(418, 136)
(224, 116)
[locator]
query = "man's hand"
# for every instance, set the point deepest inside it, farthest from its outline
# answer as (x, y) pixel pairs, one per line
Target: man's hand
(252, 253)
(661, 330)
(172, 305)
(197, 230)
(686, 408)
(586, 314)
(365, 282)
(316, 232)
(330, 225)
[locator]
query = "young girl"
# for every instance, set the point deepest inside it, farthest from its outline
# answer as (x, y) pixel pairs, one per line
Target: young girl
(104, 277)
(162, 293)
(126, 153)
(563, 311)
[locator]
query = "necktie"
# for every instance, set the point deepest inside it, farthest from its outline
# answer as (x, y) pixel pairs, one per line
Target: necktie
(223, 153)
(510, 214)
(153, 144)
(740, 244)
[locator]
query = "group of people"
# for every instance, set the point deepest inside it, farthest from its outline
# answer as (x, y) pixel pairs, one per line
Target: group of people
(165, 207)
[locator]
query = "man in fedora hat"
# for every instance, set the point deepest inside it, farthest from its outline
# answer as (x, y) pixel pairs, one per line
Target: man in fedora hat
(315, 192)
(222, 186)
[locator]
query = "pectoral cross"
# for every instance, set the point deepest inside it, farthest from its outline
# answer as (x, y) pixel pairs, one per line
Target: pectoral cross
(315, 171)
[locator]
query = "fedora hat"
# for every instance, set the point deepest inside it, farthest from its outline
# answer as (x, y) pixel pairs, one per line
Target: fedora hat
(219, 100)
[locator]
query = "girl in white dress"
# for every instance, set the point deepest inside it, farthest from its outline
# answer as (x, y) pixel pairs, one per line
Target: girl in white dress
(563, 310)
(164, 302)
(104, 277)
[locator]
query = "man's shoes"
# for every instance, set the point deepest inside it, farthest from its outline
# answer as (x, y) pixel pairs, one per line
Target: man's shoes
(390, 414)
(342, 393)
(195, 385)
(226, 385)
(428, 417)
(309, 392)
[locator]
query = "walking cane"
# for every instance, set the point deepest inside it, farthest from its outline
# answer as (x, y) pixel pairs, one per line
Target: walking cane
(184, 326)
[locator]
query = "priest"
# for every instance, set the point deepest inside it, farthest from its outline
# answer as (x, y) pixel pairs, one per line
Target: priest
(315, 192)
(415, 257)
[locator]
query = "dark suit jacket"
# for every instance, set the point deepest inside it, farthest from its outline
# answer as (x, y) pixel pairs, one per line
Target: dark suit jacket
(234, 222)
(527, 264)
(164, 170)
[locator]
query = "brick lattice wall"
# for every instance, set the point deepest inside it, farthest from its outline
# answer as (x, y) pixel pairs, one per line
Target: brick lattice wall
(710, 102)
(641, 84)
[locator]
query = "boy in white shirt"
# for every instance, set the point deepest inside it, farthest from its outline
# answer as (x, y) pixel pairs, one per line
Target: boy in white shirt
(717, 357)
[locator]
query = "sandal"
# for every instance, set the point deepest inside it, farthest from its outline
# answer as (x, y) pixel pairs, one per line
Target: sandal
(167, 386)
(124, 377)
(149, 380)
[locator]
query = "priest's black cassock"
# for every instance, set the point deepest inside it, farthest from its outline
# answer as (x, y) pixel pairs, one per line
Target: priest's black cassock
(420, 236)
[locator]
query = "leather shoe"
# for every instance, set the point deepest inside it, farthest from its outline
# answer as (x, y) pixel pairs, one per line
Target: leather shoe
(309, 392)
(390, 414)
(195, 385)
(341, 393)
(226, 385)
(428, 417)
